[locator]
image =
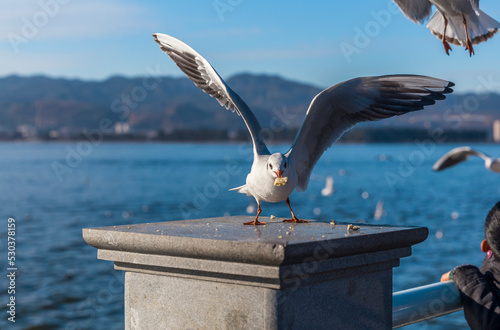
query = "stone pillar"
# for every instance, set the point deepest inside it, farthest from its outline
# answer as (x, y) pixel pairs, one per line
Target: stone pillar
(218, 274)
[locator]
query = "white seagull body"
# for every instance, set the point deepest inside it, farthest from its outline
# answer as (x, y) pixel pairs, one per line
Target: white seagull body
(461, 154)
(330, 114)
(459, 22)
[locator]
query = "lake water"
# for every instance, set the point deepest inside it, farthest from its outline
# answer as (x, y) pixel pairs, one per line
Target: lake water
(53, 190)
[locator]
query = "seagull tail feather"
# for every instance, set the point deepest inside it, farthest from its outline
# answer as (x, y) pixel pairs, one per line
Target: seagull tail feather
(242, 190)
(481, 28)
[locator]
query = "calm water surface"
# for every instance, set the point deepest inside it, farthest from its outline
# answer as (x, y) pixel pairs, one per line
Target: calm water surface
(54, 190)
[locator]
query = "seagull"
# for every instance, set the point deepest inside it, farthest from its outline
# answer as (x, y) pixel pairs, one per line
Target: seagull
(379, 210)
(460, 154)
(273, 177)
(460, 22)
(328, 190)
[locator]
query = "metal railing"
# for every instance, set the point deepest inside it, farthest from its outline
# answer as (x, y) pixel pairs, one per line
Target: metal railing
(424, 302)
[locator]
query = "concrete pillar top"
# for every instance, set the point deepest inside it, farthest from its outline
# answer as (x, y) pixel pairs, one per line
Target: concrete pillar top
(217, 273)
(227, 239)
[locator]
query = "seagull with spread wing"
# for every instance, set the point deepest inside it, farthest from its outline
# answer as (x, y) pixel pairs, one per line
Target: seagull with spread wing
(273, 177)
(461, 154)
(460, 22)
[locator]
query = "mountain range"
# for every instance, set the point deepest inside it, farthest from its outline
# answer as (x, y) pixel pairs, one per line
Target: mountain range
(169, 104)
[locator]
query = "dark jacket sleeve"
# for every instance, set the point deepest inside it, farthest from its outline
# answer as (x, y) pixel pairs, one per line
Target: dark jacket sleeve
(481, 306)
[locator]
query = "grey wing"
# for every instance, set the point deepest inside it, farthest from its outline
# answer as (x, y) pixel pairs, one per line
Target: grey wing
(456, 156)
(338, 108)
(204, 76)
(475, 4)
(416, 11)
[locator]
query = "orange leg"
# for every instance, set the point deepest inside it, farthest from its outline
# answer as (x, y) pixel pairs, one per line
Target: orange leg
(446, 45)
(468, 43)
(256, 222)
(294, 218)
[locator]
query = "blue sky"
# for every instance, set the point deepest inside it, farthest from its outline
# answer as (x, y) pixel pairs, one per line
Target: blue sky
(299, 40)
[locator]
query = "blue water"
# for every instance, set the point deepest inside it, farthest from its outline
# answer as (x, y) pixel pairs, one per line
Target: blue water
(54, 190)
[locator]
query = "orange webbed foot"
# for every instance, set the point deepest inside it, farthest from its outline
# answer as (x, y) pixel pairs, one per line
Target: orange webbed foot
(470, 48)
(447, 47)
(296, 220)
(255, 223)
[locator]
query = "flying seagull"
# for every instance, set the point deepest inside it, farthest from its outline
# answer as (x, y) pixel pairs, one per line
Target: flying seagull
(460, 154)
(460, 22)
(273, 177)
(328, 190)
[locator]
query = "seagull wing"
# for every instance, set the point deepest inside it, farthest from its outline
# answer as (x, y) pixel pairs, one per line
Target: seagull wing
(416, 11)
(475, 4)
(338, 108)
(456, 156)
(203, 75)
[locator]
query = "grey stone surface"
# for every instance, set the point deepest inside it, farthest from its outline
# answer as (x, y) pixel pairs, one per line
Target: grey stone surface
(218, 274)
(226, 239)
(164, 302)
(278, 277)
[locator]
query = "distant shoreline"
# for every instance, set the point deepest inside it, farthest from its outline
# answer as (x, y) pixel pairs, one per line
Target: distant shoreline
(356, 135)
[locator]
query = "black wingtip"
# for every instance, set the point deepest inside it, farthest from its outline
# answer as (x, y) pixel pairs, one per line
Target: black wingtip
(436, 96)
(450, 84)
(158, 41)
(447, 90)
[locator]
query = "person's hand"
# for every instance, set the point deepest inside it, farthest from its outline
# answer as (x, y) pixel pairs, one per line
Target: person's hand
(445, 277)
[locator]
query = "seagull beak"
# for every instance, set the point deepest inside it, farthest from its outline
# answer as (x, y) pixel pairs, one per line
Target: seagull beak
(279, 173)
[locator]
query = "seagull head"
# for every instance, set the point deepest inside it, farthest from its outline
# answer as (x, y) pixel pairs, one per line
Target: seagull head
(277, 165)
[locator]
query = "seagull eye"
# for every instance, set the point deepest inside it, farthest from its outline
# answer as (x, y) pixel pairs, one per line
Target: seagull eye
(270, 166)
